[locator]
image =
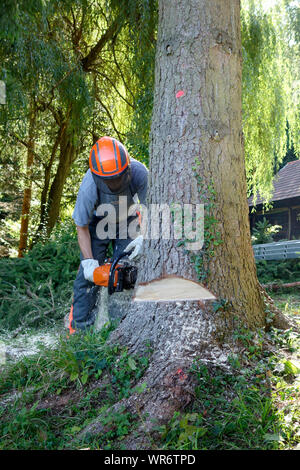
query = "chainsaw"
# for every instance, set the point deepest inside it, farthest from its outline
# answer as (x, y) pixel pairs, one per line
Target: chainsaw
(117, 275)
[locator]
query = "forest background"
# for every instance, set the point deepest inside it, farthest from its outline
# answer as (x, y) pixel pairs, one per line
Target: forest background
(77, 70)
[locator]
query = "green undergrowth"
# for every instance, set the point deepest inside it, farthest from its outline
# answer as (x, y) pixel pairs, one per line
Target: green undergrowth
(278, 271)
(47, 399)
(36, 290)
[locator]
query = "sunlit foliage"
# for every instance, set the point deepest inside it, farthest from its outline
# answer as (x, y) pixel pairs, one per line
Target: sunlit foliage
(87, 68)
(270, 89)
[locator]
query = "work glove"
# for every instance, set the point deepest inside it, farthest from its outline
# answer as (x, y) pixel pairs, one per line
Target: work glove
(89, 265)
(136, 245)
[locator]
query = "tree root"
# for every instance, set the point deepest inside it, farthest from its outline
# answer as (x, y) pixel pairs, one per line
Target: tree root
(168, 384)
(177, 333)
(274, 286)
(166, 391)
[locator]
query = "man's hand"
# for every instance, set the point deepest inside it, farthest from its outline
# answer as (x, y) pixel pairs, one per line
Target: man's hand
(136, 245)
(89, 266)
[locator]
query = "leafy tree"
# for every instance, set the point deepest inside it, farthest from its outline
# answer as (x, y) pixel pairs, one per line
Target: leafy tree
(88, 68)
(270, 98)
(76, 62)
(263, 232)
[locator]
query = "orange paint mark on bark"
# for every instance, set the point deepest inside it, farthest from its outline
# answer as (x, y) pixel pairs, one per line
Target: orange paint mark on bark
(179, 94)
(182, 375)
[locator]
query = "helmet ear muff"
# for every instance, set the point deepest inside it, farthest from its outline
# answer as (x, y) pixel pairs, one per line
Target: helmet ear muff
(108, 158)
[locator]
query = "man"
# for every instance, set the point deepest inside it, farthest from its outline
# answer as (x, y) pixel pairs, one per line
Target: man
(112, 178)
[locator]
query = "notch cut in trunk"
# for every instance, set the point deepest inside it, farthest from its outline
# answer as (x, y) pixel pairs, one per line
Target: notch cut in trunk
(172, 288)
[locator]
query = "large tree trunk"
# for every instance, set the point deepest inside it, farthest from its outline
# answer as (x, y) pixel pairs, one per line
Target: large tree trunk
(199, 55)
(28, 183)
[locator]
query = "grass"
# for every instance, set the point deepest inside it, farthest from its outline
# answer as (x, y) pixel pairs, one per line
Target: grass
(288, 302)
(47, 399)
(237, 409)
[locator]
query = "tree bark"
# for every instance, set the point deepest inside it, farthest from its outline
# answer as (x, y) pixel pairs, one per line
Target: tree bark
(66, 158)
(43, 211)
(28, 183)
(199, 53)
(196, 117)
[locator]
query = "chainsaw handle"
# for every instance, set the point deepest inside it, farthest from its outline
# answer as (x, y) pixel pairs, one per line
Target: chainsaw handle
(111, 279)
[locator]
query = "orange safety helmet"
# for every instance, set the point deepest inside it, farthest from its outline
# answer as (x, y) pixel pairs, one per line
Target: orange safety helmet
(109, 158)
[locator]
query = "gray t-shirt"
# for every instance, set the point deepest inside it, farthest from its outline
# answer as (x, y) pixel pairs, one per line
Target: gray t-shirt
(87, 197)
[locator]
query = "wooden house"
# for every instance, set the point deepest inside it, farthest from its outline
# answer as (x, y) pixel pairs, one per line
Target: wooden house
(286, 203)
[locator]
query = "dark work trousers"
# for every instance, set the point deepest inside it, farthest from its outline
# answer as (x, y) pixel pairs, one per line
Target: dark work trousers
(85, 292)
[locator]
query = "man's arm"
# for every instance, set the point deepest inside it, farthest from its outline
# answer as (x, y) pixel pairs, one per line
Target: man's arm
(88, 263)
(84, 241)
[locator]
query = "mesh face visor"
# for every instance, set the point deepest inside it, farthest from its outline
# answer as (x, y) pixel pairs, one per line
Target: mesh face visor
(116, 185)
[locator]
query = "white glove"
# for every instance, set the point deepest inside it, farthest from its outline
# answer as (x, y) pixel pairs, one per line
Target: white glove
(89, 265)
(137, 244)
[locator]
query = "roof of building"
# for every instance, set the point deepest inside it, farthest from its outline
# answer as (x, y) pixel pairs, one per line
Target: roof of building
(286, 183)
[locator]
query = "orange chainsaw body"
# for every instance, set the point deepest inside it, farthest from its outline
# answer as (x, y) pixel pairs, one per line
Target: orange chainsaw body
(101, 275)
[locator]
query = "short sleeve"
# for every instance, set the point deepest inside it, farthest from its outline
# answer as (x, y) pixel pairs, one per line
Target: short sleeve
(86, 201)
(140, 180)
